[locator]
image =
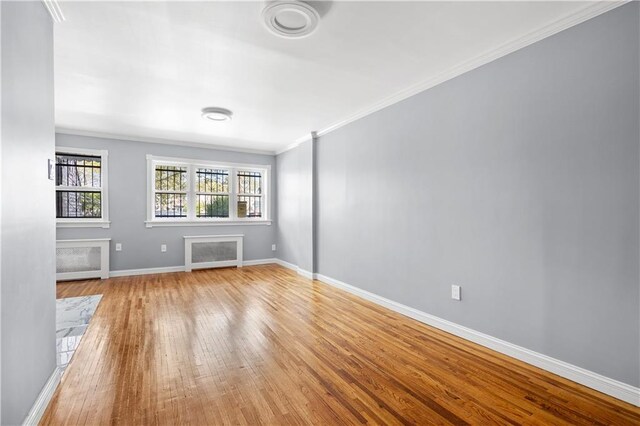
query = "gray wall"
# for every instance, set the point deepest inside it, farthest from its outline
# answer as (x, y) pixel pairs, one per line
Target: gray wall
(518, 181)
(27, 229)
(128, 205)
(295, 206)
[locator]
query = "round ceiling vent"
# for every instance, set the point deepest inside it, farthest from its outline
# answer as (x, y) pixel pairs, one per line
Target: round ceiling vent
(217, 114)
(290, 19)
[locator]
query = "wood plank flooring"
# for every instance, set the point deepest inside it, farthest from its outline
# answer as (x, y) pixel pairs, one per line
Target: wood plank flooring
(262, 345)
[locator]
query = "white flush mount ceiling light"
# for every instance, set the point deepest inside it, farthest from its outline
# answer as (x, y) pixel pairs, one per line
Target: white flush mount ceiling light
(217, 114)
(290, 18)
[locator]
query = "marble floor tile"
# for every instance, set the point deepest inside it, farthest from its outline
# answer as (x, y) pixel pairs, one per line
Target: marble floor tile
(72, 319)
(75, 311)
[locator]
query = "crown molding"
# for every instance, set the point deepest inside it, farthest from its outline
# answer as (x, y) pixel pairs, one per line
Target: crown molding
(578, 17)
(292, 145)
(103, 135)
(53, 7)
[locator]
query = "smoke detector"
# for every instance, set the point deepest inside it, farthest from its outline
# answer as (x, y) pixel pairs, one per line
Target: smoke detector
(290, 18)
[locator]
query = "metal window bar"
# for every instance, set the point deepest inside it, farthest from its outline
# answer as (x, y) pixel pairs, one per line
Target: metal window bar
(78, 204)
(170, 178)
(212, 205)
(249, 182)
(212, 181)
(254, 204)
(170, 204)
(170, 191)
(78, 170)
(212, 196)
(250, 190)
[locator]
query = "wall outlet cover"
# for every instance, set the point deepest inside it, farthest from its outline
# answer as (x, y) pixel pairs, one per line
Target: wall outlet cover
(163, 248)
(118, 246)
(273, 247)
(456, 292)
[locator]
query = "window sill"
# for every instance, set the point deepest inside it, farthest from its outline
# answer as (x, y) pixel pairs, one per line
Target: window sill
(83, 224)
(154, 223)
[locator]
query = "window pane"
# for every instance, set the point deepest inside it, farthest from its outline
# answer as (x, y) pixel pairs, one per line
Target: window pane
(254, 204)
(212, 180)
(171, 178)
(171, 205)
(78, 170)
(212, 205)
(78, 204)
(249, 182)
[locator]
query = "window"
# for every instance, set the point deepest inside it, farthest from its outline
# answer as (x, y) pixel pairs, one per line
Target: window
(212, 192)
(250, 192)
(170, 191)
(81, 181)
(192, 192)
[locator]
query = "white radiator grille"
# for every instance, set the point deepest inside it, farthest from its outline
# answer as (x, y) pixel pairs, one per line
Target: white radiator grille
(214, 252)
(80, 259)
(211, 251)
(77, 259)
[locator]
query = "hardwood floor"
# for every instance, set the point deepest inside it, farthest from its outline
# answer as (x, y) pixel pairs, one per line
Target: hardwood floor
(262, 345)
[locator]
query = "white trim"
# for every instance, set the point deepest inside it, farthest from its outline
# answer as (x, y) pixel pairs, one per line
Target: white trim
(237, 222)
(172, 269)
(53, 7)
(297, 269)
(577, 374)
(189, 265)
(105, 135)
(191, 165)
(259, 262)
(287, 265)
(568, 21)
(104, 189)
(84, 240)
(88, 224)
(207, 163)
(82, 151)
(206, 237)
(42, 401)
(306, 274)
(294, 144)
(145, 271)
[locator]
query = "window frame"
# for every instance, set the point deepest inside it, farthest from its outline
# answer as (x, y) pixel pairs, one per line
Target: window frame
(192, 219)
(80, 222)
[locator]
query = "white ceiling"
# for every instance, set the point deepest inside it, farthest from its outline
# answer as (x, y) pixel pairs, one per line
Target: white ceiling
(145, 69)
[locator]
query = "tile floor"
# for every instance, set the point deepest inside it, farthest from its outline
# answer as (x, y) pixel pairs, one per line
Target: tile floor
(72, 319)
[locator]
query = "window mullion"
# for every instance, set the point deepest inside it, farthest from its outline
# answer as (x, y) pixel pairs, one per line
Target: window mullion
(191, 192)
(233, 204)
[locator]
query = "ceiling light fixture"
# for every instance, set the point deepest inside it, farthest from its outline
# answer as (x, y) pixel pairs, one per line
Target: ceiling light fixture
(290, 18)
(217, 114)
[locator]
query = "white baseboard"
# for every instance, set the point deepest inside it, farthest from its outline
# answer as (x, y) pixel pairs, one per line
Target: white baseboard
(303, 272)
(169, 269)
(287, 265)
(307, 274)
(41, 403)
(145, 271)
(258, 262)
(577, 374)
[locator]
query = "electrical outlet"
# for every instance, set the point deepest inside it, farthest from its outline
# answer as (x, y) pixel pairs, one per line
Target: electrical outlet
(456, 292)
(118, 246)
(273, 247)
(163, 248)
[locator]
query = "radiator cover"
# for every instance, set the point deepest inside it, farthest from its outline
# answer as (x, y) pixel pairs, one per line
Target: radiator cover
(212, 251)
(81, 259)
